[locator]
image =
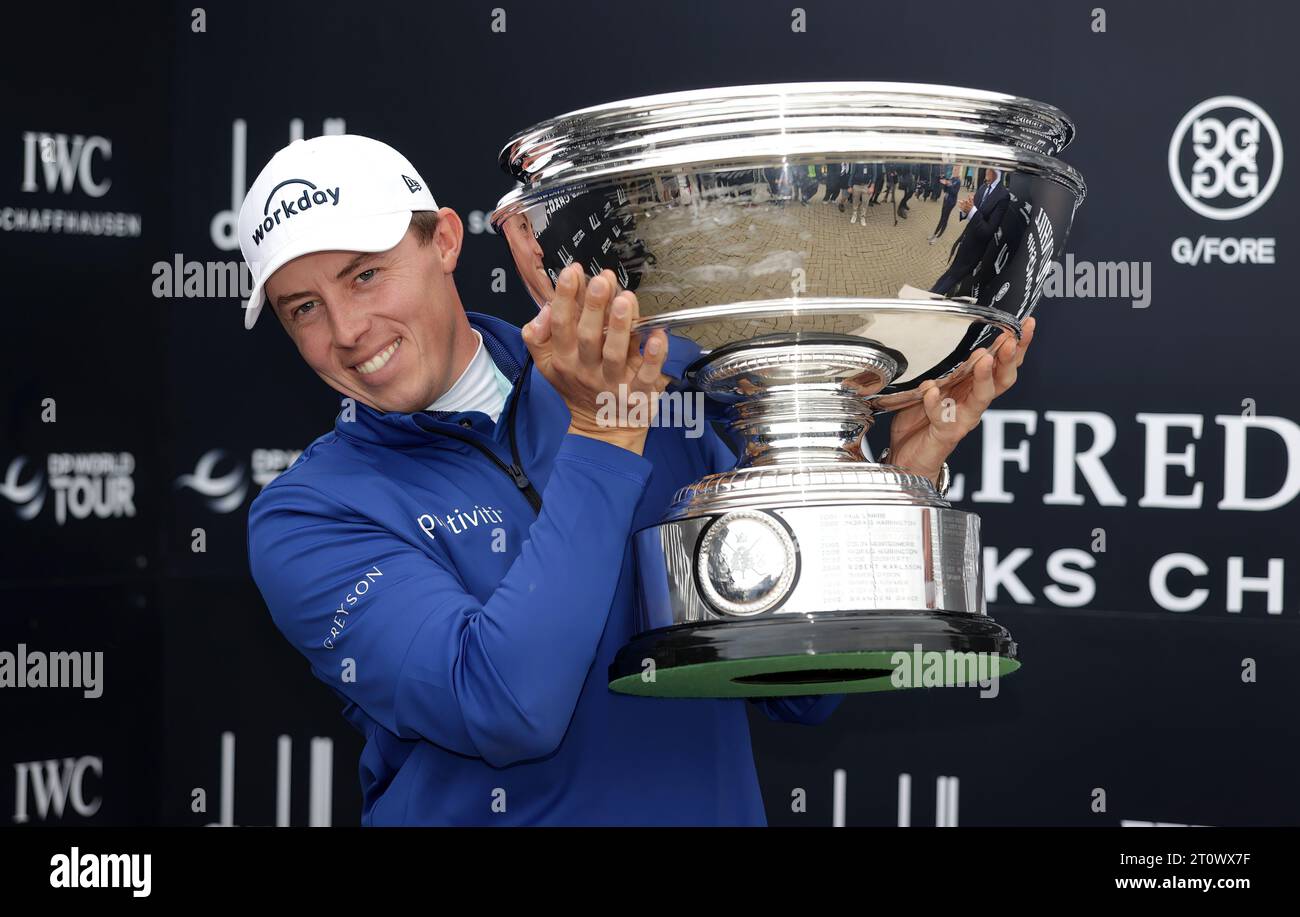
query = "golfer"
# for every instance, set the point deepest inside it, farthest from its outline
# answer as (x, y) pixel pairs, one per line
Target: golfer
(453, 558)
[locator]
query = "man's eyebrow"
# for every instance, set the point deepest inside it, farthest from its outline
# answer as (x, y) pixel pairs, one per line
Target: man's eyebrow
(287, 298)
(351, 266)
(356, 262)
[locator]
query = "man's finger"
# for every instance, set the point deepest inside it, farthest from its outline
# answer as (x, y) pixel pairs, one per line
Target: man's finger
(1026, 336)
(983, 390)
(656, 351)
(591, 319)
(564, 311)
(617, 340)
(537, 337)
(541, 326)
(633, 339)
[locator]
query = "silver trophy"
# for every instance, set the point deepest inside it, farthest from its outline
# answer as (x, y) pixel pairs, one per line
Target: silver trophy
(793, 232)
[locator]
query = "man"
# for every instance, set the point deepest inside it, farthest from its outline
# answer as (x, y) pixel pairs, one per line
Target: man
(983, 216)
(837, 179)
(809, 180)
(951, 188)
(453, 558)
(859, 190)
(908, 184)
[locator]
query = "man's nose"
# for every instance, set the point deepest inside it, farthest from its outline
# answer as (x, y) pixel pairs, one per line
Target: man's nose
(350, 325)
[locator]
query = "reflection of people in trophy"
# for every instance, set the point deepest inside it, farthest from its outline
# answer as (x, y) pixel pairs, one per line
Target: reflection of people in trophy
(880, 186)
(807, 180)
(837, 180)
(907, 183)
(950, 187)
(983, 214)
(860, 190)
(785, 182)
(991, 279)
(932, 188)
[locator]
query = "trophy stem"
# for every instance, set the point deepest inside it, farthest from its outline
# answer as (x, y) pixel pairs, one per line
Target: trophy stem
(799, 425)
(799, 398)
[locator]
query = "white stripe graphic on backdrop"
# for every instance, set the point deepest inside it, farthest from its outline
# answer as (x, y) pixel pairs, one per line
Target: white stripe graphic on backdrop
(838, 797)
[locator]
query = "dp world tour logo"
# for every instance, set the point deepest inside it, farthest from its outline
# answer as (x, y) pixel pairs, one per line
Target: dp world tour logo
(224, 494)
(288, 206)
(82, 484)
(1218, 154)
(29, 497)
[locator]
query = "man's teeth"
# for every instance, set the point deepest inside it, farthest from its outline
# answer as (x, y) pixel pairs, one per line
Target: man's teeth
(378, 360)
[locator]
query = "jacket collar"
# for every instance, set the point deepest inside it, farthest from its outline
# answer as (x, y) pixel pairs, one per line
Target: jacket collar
(505, 344)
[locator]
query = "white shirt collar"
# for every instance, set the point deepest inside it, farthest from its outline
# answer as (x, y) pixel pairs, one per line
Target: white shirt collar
(481, 387)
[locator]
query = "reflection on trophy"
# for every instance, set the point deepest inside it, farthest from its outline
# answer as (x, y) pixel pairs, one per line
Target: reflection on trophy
(829, 247)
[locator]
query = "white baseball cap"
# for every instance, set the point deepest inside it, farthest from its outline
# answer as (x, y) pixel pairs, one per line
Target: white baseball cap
(335, 193)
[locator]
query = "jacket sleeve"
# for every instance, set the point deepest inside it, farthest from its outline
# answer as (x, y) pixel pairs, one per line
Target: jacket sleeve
(809, 710)
(395, 631)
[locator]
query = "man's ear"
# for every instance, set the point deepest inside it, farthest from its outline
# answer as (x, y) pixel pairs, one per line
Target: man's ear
(448, 236)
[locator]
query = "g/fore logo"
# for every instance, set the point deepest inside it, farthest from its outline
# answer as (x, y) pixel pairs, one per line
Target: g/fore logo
(292, 207)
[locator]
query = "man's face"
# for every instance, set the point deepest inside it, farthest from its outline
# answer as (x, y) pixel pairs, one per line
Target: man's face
(990, 176)
(383, 328)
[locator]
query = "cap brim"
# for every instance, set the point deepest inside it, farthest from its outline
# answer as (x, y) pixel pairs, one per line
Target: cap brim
(375, 233)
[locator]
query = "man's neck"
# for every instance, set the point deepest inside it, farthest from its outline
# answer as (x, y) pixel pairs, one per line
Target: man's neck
(480, 386)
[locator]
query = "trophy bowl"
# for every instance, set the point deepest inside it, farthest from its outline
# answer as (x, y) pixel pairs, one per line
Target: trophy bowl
(811, 239)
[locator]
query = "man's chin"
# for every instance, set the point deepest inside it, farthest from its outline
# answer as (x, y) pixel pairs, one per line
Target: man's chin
(387, 402)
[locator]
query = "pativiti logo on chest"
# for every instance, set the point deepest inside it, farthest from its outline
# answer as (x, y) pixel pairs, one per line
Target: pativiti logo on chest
(289, 203)
(458, 522)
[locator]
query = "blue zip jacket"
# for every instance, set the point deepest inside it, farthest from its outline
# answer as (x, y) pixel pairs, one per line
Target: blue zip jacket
(463, 586)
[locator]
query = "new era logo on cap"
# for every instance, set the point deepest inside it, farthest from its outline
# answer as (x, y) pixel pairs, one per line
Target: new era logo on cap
(335, 193)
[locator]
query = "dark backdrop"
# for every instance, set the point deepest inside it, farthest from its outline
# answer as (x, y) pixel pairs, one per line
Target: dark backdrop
(171, 416)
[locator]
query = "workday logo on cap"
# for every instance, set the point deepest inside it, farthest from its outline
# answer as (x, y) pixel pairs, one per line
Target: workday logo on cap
(286, 209)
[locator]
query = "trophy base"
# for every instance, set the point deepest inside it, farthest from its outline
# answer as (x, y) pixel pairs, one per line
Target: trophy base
(810, 579)
(837, 654)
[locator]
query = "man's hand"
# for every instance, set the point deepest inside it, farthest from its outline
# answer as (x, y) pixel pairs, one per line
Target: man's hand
(923, 435)
(612, 391)
(966, 205)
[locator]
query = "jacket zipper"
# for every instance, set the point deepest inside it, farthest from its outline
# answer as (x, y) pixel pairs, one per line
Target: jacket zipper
(516, 469)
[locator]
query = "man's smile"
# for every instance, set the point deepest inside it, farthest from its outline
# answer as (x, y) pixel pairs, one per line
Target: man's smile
(377, 362)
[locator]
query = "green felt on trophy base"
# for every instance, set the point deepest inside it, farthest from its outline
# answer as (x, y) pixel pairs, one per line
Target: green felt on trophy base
(787, 676)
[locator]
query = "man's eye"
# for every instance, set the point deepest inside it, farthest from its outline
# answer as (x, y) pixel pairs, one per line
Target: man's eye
(362, 276)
